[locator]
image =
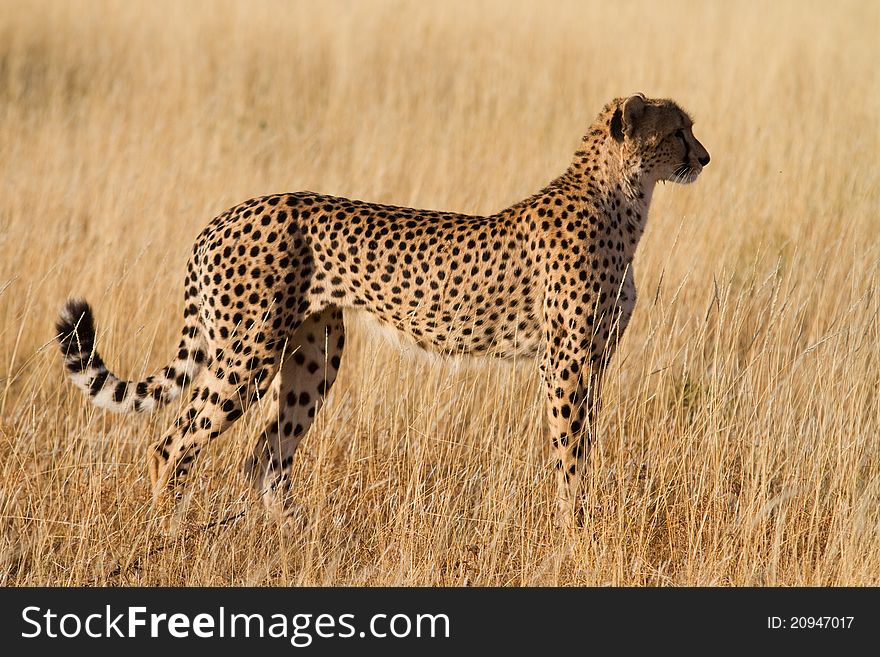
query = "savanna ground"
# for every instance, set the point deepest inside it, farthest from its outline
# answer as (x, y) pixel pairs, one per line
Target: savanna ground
(739, 438)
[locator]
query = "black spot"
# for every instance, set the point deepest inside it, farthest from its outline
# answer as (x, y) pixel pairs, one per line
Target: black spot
(97, 383)
(119, 393)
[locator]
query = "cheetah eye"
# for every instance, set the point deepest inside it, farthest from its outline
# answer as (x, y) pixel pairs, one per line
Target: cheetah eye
(680, 135)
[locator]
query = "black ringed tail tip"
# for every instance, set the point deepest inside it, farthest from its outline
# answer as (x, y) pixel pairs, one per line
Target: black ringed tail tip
(76, 333)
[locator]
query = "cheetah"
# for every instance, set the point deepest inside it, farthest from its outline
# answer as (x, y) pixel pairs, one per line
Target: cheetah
(267, 282)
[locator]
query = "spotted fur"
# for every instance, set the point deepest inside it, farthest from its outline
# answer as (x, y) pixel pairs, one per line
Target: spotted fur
(549, 277)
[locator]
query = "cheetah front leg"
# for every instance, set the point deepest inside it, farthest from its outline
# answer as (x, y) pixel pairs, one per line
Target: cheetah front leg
(571, 394)
(577, 348)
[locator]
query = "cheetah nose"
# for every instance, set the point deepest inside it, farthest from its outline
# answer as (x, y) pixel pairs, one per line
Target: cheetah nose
(704, 160)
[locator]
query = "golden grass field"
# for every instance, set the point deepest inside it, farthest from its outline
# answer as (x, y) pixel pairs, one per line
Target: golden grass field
(740, 436)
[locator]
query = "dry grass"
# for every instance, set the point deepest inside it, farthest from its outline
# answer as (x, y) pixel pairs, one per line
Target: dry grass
(740, 433)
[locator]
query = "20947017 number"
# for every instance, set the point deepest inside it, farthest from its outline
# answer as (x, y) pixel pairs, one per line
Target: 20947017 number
(810, 622)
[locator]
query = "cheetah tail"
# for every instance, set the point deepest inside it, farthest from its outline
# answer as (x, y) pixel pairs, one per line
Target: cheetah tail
(86, 368)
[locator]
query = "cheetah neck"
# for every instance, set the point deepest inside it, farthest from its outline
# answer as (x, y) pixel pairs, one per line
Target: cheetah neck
(614, 186)
(600, 166)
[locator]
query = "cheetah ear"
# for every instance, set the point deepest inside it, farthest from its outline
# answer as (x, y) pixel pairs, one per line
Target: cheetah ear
(633, 110)
(616, 125)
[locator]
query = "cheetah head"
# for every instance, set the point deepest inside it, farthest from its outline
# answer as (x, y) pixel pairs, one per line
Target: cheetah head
(656, 137)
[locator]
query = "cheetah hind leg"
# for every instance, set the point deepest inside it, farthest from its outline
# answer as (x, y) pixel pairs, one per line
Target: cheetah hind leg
(217, 401)
(298, 392)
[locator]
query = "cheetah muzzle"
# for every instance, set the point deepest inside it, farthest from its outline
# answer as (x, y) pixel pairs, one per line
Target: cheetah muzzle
(268, 280)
